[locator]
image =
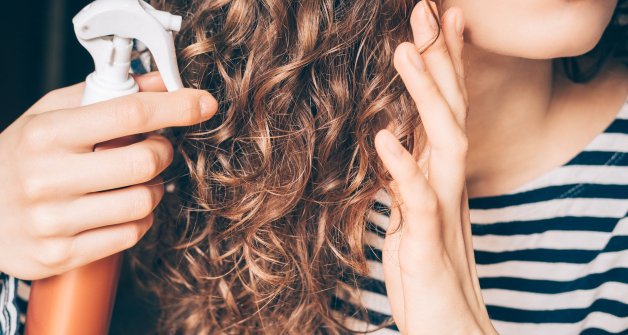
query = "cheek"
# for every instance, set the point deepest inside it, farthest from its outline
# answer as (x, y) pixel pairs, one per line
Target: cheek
(556, 30)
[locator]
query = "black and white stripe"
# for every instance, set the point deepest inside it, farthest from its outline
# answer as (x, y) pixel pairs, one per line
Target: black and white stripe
(10, 316)
(13, 301)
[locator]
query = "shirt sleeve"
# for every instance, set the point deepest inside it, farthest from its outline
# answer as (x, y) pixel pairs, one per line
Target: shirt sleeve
(9, 312)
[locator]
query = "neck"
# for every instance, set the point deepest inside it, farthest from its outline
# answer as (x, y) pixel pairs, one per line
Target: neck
(499, 119)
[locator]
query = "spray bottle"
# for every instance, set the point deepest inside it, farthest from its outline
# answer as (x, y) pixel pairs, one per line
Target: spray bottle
(80, 302)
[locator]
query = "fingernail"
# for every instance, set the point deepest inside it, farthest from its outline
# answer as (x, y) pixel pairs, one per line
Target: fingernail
(392, 145)
(459, 24)
(416, 60)
(207, 106)
(429, 17)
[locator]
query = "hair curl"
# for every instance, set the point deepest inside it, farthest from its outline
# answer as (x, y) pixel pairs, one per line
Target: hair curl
(268, 221)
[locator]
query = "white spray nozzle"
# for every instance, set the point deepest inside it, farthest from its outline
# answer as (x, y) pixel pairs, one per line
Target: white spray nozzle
(106, 28)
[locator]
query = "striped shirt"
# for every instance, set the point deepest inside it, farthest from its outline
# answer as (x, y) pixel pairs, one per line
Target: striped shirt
(552, 255)
(13, 300)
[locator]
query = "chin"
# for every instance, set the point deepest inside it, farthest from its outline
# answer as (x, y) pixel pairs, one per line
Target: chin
(548, 44)
(569, 45)
(538, 31)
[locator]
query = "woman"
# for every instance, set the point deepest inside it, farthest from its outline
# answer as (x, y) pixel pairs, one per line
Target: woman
(280, 183)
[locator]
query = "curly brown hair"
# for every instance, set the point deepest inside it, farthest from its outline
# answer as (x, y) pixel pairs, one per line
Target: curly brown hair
(268, 218)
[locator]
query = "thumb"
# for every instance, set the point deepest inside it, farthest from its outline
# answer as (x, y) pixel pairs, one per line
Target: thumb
(150, 82)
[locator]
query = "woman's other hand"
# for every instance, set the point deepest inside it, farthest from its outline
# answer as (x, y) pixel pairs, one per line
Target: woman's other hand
(428, 261)
(64, 204)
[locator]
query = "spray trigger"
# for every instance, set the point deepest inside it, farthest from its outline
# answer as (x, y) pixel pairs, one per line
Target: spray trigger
(107, 28)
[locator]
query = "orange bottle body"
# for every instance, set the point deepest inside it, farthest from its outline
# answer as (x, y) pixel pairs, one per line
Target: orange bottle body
(78, 302)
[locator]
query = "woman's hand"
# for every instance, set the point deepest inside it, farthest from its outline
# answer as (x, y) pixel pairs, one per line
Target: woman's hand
(428, 261)
(62, 204)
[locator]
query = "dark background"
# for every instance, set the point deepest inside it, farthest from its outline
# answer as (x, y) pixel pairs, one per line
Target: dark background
(40, 53)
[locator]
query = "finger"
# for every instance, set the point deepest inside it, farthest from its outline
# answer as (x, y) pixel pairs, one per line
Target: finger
(446, 166)
(104, 170)
(99, 209)
(98, 243)
(121, 167)
(425, 28)
(454, 37)
(112, 207)
(111, 169)
(150, 82)
(438, 120)
(417, 198)
(82, 128)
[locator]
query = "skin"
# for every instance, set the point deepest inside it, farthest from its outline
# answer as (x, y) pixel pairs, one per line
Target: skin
(479, 130)
(65, 204)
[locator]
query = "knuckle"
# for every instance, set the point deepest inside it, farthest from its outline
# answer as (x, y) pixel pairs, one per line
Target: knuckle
(190, 108)
(461, 144)
(401, 51)
(459, 69)
(162, 140)
(134, 232)
(428, 91)
(414, 174)
(429, 204)
(145, 163)
(133, 113)
(35, 134)
(55, 253)
(44, 223)
(35, 188)
(129, 237)
(465, 103)
(168, 150)
(53, 95)
(158, 192)
(440, 48)
(459, 105)
(144, 202)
